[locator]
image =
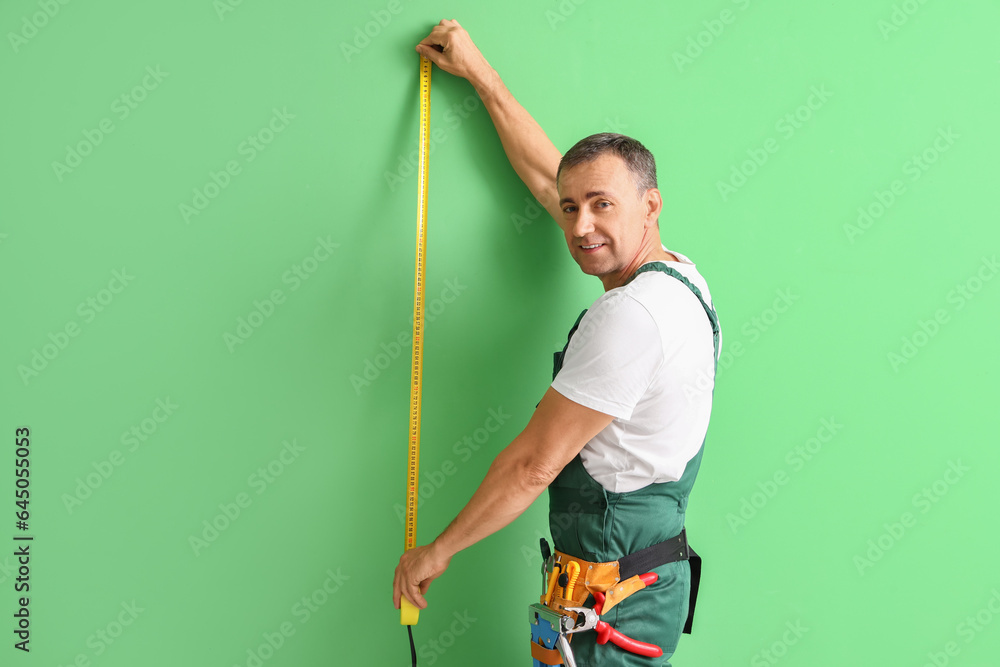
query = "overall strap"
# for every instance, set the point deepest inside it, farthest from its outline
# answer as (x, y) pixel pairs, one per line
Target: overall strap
(557, 357)
(712, 317)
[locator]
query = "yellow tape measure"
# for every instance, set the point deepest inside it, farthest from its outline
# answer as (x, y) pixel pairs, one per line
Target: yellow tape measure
(409, 614)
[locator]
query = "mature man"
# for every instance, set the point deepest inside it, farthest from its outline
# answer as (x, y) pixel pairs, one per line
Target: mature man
(617, 438)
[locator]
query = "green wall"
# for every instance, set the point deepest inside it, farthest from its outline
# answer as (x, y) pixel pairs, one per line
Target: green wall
(171, 170)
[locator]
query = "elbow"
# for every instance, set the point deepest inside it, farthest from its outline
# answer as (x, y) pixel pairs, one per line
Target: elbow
(536, 474)
(529, 465)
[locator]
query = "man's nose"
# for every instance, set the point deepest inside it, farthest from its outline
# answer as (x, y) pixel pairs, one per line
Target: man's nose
(583, 225)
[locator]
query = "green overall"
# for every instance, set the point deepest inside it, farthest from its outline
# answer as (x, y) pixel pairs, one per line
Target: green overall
(594, 524)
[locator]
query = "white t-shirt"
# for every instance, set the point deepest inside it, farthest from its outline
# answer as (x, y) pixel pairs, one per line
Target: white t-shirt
(643, 354)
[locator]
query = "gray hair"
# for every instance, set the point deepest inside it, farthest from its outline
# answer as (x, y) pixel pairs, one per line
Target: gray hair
(637, 158)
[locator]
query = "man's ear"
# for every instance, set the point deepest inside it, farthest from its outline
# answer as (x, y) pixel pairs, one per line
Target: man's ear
(652, 203)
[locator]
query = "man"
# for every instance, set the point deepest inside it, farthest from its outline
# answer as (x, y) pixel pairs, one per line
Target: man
(617, 438)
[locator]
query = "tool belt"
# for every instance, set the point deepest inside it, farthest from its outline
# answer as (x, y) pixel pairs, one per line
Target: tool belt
(613, 581)
(620, 578)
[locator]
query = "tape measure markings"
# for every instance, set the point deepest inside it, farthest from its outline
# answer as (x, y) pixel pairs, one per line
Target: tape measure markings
(416, 377)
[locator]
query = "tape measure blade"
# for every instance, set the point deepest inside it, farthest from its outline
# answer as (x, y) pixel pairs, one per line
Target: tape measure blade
(416, 366)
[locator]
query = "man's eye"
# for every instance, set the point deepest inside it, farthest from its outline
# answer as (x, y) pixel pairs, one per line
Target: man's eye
(601, 204)
(569, 209)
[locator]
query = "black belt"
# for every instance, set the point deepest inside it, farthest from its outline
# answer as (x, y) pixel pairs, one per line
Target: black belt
(661, 553)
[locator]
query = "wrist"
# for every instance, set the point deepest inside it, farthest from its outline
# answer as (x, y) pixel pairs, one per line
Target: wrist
(485, 82)
(440, 549)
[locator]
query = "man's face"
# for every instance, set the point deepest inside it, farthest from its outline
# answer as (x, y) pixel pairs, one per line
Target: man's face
(603, 217)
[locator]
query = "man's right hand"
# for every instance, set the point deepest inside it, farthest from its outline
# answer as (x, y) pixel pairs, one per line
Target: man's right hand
(533, 156)
(457, 54)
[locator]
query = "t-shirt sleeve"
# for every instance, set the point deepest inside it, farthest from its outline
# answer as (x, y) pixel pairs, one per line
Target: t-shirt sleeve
(612, 358)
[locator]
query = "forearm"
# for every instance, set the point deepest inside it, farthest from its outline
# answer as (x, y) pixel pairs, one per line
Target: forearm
(555, 434)
(510, 486)
(533, 156)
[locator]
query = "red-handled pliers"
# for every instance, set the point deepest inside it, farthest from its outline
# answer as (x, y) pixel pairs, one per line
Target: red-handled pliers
(606, 633)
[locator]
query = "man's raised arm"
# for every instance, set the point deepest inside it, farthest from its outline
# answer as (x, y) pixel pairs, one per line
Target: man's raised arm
(533, 156)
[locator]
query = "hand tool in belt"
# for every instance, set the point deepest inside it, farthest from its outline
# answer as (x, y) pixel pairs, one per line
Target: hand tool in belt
(610, 583)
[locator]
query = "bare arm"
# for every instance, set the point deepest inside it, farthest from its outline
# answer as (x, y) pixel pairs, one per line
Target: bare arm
(533, 156)
(557, 431)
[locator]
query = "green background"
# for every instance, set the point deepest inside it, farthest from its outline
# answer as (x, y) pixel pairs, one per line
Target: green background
(895, 78)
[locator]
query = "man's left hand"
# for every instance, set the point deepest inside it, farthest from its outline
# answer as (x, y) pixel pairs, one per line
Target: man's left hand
(417, 568)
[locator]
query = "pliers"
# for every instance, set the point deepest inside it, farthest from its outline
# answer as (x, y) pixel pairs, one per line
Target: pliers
(604, 631)
(566, 627)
